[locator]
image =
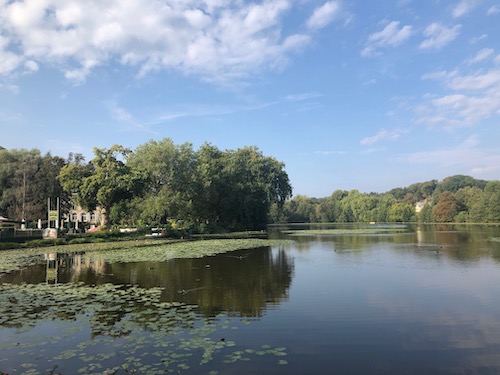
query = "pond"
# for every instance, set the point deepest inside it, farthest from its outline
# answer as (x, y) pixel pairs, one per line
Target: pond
(348, 299)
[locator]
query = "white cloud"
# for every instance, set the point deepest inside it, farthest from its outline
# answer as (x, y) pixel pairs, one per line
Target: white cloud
(8, 61)
(483, 54)
(390, 36)
(126, 118)
(383, 135)
(323, 15)
(464, 7)
(493, 10)
(471, 97)
(479, 80)
(31, 65)
(476, 82)
(328, 153)
(217, 40)
(12, 88)
(373, 150)
(477, 39)
(468, 155)
(438, 36)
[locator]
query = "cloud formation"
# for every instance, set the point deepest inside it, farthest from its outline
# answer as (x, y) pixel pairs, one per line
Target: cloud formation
(438, 36)
(471, 96)
(323, 15)
(482, 55)
(217, 40)
(390, 36)
(464, 7)
(383, 135)
(468, 154)
(493, 10)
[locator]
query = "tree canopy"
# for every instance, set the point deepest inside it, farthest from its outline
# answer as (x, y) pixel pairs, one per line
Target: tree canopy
(162, 183)
(27, 179)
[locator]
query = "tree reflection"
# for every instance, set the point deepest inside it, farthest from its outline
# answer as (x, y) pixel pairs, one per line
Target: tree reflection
(240, 283)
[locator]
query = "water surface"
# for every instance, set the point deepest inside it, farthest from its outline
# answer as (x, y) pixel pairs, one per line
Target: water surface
(412, 301)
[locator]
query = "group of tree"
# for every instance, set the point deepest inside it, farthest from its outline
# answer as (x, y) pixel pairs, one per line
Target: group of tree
(27, 179)
(209, 189)
(455, 199)
(156, 184)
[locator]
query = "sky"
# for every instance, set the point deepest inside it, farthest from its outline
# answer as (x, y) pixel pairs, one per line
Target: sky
(349, 94)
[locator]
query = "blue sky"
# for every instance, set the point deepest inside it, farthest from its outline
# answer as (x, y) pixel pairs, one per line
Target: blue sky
(366, 95)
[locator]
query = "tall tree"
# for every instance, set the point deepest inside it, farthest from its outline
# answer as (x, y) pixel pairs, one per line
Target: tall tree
(446, 208)
(492, 201)
(105, 181)
(166, 171)
(235, 188)
(27, 179)
(401, 212)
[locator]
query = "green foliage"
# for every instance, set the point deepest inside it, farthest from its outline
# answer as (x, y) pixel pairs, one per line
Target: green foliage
(455, 183)
(106, 180)
(9, 245)
(474, 201)
(401, 212)
(210, 188)
(426, 215)
(27, 179)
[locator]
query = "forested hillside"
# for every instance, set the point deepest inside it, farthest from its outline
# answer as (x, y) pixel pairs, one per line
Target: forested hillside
(455, 199)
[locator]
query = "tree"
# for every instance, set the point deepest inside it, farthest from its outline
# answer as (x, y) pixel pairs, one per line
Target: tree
(166, 172)
(384, 204)
(492, 200)
(401, 212)
(27, 179)
(472, 201)
(457, 182)
(446, 208)
(425, 214)
(299, 209)
(235, 189)
(104, 181)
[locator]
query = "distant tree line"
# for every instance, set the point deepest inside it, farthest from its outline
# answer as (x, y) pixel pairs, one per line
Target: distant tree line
(455, 199)
(157, 184)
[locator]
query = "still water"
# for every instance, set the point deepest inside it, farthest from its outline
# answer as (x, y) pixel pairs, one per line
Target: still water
(411, 300)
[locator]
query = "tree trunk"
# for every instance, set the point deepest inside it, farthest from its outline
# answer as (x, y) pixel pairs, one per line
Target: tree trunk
(104, 217)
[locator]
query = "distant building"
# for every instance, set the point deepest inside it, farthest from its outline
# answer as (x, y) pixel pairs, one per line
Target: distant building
(420, 205)
(80, 219)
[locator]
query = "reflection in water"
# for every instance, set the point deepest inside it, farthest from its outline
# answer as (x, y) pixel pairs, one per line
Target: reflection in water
(71, 264)
(241, 283)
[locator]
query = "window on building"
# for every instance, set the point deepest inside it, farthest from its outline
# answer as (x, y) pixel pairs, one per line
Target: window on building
(92, 216)
(74, 217)
(84, 217)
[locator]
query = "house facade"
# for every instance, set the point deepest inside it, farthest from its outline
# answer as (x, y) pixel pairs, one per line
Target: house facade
(80, 219)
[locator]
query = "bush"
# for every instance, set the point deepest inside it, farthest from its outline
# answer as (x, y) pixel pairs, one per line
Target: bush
(9, 245)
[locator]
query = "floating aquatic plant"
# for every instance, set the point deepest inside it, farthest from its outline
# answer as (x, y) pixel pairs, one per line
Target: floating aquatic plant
(157, 336)
(132, 251)
(94, 324)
